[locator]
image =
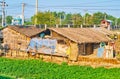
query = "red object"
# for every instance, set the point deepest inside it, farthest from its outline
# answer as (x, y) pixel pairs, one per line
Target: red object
(105, 23)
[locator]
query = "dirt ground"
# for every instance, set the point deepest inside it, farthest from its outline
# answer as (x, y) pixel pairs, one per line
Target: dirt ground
(90, 60)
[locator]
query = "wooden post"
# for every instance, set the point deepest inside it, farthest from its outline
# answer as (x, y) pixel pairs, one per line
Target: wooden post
(81, 26)
(94, 26)
(57, 26)
(84, 48)
(11, 52)
(68, 25)
(73, 51)
(45, 26)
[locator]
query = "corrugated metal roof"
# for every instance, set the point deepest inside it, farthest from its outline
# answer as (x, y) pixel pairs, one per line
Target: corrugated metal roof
(84, 35)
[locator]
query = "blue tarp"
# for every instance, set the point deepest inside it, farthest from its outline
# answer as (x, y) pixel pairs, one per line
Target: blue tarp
(48, 44)
(100, 52)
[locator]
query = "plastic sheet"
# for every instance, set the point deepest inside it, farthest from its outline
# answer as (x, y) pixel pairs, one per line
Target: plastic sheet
(43, 45)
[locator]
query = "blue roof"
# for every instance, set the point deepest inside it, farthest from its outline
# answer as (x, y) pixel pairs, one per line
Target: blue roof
(109, 20)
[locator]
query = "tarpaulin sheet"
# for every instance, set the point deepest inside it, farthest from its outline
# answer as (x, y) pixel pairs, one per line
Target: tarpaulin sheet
(100, 52)
(43, 45)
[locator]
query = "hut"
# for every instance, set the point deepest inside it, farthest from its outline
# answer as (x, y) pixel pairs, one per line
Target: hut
(18, 37)
(106, 24)
(78, 41)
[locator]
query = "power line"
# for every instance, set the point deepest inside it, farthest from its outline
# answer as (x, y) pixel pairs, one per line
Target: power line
(110, 9)
(77, 6)
(97, 2)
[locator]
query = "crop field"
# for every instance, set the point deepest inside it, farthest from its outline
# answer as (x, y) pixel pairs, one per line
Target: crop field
(5, 77)
(37, 69)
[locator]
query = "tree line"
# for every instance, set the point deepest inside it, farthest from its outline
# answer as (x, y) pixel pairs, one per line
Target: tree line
(62, 18)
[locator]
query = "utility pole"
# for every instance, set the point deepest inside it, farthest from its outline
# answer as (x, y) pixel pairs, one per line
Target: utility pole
(85, 10)
(116, 23)
(23, 6)
(36, 12)
(36, 7)
(60, 20)
(105, 17)
(3, 5)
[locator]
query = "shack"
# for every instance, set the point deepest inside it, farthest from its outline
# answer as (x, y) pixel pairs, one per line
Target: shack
(106, 24)
(18, 37)
(78, 41)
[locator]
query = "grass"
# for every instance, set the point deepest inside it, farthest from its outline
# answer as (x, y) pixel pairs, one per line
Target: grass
(37, 69)
(3, 76)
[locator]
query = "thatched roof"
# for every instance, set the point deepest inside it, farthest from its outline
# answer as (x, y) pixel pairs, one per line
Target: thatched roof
(84, 35)
(28, 31)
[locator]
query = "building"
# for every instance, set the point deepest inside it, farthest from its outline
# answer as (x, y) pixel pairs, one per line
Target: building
(17, 20)
(78, 41)
(106, 24)
(18, 37)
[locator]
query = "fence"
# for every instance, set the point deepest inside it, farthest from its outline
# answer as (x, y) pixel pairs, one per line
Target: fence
(42, 26)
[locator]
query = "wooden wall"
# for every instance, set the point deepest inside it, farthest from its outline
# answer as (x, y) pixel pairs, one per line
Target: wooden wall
(89, 48)
(81, 49)
(85, 49)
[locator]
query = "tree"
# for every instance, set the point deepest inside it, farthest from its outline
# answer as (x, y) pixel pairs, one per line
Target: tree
(52, 18)
(68, 19)
(44, 18)
(9, 19)
(118, 21)
(77, 19)
(88, 19)
(97, 17)
(28, 22)
(112, 18)
(61, 17)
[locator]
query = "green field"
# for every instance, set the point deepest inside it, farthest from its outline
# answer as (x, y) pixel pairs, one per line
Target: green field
(6, 77)
(37, 69)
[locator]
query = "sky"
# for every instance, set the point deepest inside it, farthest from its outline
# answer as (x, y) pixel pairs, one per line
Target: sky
(111, 7)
